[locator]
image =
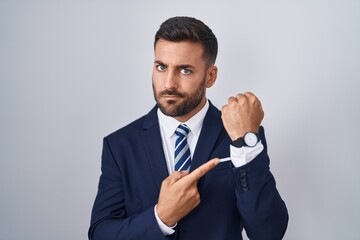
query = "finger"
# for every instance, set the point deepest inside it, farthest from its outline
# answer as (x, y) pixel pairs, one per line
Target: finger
(202, 170)
(241, 97)
(252, 97)
(175, 176)
(249, 94)
(260, 106)
(232, 99)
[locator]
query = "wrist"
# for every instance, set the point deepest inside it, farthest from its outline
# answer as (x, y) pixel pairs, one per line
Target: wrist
(166, 230)
(168, 222)
(236, 135)
(250, 139)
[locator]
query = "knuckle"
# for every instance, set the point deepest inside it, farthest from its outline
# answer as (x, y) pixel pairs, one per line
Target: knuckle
(240, 95)
(174, 175)
(197, 199)
(165, 182)
(231, 98)
(195, 194)
(242, 100)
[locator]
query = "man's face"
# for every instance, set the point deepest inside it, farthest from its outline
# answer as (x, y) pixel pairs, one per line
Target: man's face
(179, 78)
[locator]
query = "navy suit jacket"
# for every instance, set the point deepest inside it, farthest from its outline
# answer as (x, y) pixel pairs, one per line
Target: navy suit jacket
(134, 166)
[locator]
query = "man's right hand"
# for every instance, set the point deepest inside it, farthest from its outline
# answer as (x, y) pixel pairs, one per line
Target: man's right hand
(179, 194)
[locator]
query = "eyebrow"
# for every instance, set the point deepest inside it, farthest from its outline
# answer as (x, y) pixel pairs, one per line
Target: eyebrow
(180, 66)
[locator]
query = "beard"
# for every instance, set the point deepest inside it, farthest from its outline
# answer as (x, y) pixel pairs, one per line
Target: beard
(185, 105)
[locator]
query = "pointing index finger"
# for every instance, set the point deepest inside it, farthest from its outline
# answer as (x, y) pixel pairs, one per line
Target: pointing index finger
(202, 170)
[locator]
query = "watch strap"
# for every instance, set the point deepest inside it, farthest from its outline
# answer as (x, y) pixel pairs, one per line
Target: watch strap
(240, 142)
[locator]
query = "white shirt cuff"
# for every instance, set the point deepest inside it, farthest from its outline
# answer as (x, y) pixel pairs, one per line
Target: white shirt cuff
(164, 229)
(244, 155)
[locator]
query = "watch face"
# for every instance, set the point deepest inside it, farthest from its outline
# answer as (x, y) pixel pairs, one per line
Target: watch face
(250, 139)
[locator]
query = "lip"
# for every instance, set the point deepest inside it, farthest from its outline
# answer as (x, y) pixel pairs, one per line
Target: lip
(170, 97)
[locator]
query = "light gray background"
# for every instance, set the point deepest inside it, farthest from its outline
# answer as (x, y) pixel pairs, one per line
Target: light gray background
(72, 72)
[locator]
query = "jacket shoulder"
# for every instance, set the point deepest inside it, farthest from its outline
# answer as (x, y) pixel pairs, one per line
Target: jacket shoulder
(134, 127)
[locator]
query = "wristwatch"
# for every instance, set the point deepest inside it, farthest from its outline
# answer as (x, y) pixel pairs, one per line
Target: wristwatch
(250, 139)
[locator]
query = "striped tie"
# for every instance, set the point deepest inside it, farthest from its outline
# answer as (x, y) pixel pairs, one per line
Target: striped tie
(182, 151)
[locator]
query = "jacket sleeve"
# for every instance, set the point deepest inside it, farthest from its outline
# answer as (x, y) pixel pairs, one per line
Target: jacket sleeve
(262, 210)
(109, 219)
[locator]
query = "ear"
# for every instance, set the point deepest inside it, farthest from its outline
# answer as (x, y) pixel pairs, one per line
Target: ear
(211, 76)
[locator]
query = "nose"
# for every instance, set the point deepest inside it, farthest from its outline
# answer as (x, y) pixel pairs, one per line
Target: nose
(170, 80)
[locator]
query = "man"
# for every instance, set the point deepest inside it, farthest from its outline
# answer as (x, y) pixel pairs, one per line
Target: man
(157, 181)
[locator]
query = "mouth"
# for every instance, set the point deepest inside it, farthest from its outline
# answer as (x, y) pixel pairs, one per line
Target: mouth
(170, 97)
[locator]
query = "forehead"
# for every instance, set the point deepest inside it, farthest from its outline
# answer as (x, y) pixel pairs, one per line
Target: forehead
(184, 52)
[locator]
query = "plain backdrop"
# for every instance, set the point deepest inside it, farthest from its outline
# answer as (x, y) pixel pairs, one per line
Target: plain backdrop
(71, 72)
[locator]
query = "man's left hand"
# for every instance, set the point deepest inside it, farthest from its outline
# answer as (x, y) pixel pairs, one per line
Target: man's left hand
(242, 114)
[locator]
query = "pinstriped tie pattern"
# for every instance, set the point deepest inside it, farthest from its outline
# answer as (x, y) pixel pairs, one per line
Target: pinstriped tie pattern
(182, 151)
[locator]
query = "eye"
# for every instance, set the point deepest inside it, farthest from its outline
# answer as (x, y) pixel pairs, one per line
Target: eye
(185, 71)
(160, 68)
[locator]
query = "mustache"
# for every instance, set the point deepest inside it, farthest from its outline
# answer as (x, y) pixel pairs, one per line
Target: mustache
(171, 93)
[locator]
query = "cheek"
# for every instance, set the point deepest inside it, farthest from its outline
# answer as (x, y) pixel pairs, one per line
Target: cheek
(191, 85)
(157, 84)
(155, 80)
(187, 87)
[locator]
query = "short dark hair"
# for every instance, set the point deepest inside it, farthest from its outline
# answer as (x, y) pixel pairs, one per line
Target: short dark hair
(177, 29)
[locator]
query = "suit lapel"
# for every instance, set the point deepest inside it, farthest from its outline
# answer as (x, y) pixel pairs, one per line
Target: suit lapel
(153, 145)
(209, 134)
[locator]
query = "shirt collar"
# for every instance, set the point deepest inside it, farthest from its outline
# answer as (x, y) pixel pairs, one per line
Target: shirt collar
(170, 124)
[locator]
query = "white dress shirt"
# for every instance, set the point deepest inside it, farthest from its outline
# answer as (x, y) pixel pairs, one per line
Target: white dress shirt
(168, 125)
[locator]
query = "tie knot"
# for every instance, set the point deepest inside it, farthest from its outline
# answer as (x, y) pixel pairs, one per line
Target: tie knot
(182, 130)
